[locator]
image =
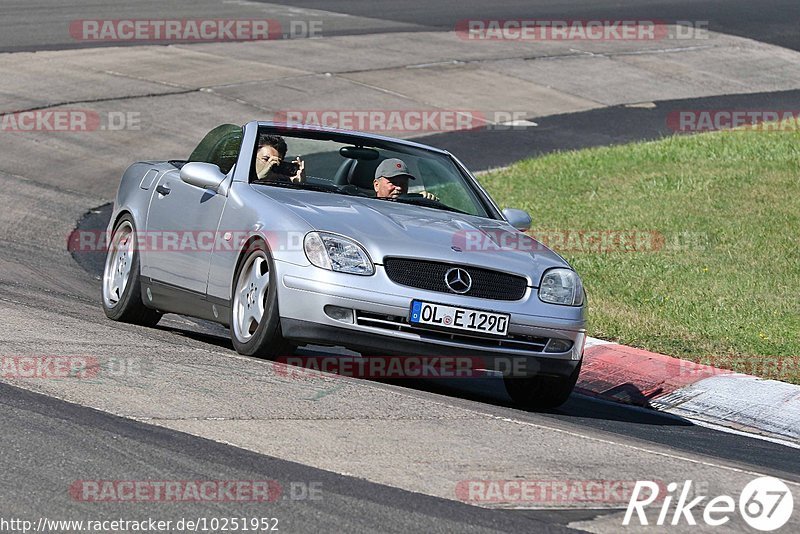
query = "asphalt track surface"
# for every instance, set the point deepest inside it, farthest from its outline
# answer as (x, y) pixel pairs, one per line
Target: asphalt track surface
(49, 443)
(43, 24)
(770, 21)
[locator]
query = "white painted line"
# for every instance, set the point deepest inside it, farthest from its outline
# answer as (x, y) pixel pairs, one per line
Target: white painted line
(641, 105)
(519, 122)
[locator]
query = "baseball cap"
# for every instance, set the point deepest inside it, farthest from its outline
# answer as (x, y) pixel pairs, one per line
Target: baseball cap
(392, 167)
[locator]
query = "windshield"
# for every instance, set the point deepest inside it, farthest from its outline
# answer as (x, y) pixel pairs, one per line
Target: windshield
(348, 165)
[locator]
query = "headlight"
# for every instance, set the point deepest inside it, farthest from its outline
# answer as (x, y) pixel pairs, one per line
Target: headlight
(561, 286)
(337, 253)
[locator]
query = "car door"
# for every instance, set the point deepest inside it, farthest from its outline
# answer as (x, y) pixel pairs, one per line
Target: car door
(183, 219)
(182, 224)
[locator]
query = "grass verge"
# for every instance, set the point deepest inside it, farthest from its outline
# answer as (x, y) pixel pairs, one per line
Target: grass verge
(688, 246)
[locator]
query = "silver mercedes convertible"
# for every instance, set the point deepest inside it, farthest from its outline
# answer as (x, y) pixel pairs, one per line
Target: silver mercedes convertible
(295, 235)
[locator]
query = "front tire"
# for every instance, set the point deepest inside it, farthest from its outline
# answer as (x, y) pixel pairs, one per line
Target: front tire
(541, 392)
(255, 321)
(122, 287)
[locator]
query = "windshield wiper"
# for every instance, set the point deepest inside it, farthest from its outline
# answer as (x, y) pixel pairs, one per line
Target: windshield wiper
(426, 203)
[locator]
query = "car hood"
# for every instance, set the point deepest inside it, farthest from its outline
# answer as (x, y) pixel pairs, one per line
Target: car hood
(388, 228)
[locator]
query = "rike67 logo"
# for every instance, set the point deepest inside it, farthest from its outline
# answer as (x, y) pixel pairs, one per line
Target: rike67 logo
(765, 504)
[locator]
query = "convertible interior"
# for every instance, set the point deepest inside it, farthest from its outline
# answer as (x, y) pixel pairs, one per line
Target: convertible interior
(346, 163)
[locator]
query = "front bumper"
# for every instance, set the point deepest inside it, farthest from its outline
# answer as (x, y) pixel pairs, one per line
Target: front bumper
(304, 293)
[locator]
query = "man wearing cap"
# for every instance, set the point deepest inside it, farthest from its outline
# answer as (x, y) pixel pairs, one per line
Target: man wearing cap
(391, 180)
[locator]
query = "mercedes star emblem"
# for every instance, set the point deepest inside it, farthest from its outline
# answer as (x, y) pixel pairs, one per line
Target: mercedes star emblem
(458, 280)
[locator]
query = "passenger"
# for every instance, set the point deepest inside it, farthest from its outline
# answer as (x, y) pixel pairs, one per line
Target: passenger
(269, 159)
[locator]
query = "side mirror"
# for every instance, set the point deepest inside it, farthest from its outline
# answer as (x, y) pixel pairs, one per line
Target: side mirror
(203, 175)
(519, 219)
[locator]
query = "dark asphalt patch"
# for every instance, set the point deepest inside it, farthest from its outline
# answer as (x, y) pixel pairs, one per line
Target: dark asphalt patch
(486, 149)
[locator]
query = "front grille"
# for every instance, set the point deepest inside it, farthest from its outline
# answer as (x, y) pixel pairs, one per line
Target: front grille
(430, 276)
(400, 324)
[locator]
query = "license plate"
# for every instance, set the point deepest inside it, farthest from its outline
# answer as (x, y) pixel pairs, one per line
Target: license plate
(455, 318)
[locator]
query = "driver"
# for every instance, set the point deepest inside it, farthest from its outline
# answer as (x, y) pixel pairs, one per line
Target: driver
(391, 180)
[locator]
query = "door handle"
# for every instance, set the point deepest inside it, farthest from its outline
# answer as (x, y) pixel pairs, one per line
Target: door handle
(163, 190)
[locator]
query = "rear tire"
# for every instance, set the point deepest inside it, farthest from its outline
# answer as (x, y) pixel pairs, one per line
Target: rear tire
(255, 321)
(540, 392)
(122, 287)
